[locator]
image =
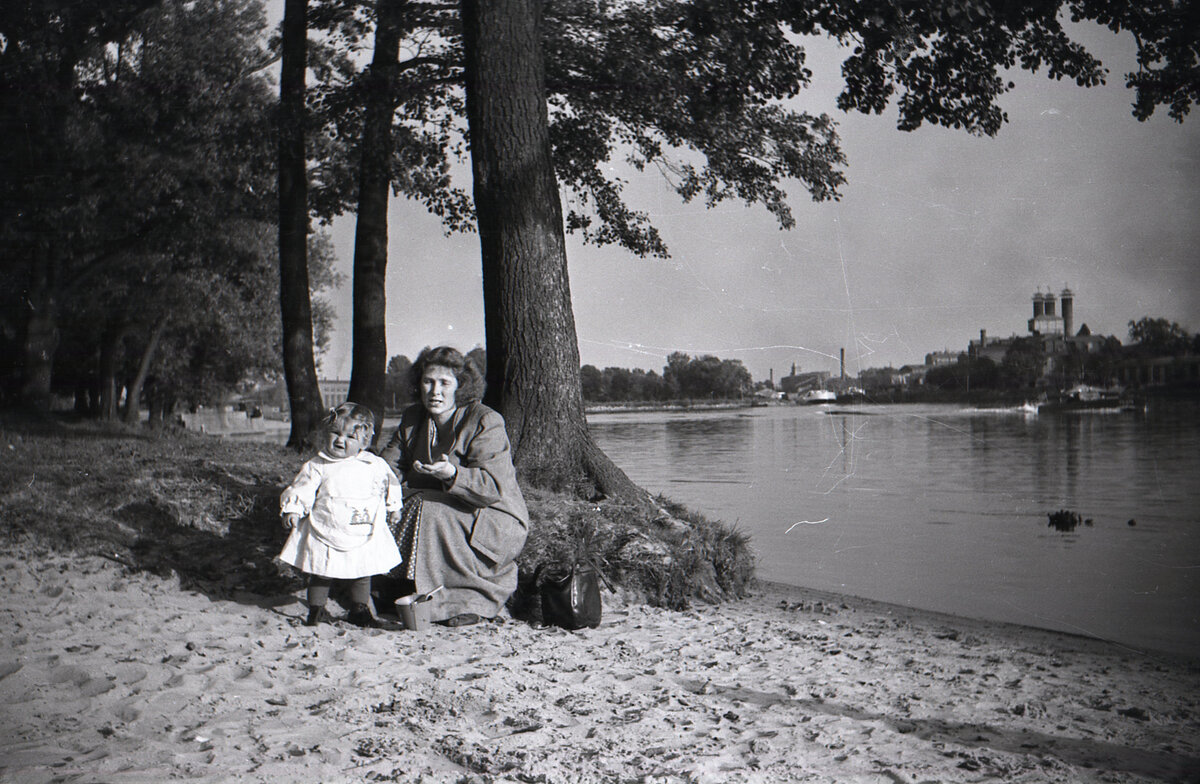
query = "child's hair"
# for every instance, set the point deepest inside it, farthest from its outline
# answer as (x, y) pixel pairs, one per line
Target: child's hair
(355, 414)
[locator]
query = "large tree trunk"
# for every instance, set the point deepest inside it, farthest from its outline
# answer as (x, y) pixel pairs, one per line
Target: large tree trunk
(368, 376)
(532, 351)
(299, 367)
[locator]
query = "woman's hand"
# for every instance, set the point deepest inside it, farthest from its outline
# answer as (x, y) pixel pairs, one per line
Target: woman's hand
(290, 520)
(442, 469)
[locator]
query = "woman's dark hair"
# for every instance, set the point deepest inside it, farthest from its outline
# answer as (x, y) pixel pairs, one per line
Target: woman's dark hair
(470, 378)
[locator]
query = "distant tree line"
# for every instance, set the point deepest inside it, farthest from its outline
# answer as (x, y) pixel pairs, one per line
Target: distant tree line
(684, 377)
(1161, 338)
(1025, 362)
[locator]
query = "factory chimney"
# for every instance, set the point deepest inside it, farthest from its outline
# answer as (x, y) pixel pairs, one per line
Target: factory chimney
(843, 355)
(1068, 312)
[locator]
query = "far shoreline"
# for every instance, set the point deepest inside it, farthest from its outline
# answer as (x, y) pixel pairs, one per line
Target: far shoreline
(633, 407)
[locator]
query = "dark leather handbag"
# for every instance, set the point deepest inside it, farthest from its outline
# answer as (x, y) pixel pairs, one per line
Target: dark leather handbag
(570, 594)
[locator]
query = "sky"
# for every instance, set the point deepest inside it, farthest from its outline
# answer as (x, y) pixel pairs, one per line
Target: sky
(938, 235)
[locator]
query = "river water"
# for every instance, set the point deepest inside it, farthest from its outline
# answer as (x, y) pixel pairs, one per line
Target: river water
(947, 508)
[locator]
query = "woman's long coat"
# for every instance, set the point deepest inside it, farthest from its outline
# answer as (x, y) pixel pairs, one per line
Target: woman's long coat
(472, 528)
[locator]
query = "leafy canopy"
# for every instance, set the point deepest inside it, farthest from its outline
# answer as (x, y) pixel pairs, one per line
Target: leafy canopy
(702, 91)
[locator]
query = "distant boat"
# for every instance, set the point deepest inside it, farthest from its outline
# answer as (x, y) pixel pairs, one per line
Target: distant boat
(1083, 397)
(818, 396)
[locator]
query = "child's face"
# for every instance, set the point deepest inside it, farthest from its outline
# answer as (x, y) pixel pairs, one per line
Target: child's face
(347, 442)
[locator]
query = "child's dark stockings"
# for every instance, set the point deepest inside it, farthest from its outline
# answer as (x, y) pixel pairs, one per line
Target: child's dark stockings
(360, 600)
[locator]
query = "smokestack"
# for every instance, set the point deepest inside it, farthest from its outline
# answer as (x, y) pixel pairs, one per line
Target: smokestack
(843, 355)
(983, 338)
(1039, 305)
(1068, 312)
(1049, 299)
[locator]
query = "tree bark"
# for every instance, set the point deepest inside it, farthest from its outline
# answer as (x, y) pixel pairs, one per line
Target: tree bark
(532, 350)
(368, 375)
(299, 366)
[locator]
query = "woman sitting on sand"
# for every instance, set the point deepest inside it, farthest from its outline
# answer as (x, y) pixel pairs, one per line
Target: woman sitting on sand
(452, 453)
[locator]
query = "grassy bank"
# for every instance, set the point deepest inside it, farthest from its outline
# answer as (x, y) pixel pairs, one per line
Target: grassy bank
(206, 509)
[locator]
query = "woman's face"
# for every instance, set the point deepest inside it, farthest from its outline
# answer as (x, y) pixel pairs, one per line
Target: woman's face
(438, 385)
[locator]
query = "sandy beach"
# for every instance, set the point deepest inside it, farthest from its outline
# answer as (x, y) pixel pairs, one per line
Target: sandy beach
(116, 675)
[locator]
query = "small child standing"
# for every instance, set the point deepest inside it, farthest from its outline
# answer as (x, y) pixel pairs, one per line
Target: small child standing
(337, 509)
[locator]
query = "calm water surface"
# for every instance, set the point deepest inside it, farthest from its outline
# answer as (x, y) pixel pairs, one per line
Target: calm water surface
(945, 508)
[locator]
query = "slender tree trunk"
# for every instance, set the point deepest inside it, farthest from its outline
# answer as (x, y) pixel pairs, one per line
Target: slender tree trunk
(40, 335)
(368, 377)
(81, 397)
(532, 351)
(110, 349)
(133, 399)
(299, 366)
(162, 405)
(155, 417)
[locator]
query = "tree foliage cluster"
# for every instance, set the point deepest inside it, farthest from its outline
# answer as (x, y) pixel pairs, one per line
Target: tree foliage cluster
(1026, 364)
(684, 377)
(137, 241)
(1160, 337)
(707, 377)
(622, 385)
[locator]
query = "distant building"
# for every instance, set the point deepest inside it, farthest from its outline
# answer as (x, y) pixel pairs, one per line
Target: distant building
(937, 358)
(1088, 343)
(1053, 331)
(876, 379)
(1160, 371)
(275, 393)
(914, 375)
(800, 383)
(1044, 321)
(333, 391)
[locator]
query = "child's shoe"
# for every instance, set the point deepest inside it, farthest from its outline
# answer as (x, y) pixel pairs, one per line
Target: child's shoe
(316, 615)
(360, 615)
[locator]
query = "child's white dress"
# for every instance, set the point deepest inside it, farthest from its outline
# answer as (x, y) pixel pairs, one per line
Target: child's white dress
(343, 504)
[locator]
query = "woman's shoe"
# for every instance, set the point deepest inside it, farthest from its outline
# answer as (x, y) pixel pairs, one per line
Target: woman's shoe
(360, 615)
(463, 619)
(316, 615)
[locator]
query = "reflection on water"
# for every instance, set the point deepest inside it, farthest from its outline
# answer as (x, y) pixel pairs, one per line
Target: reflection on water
(946, 508)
